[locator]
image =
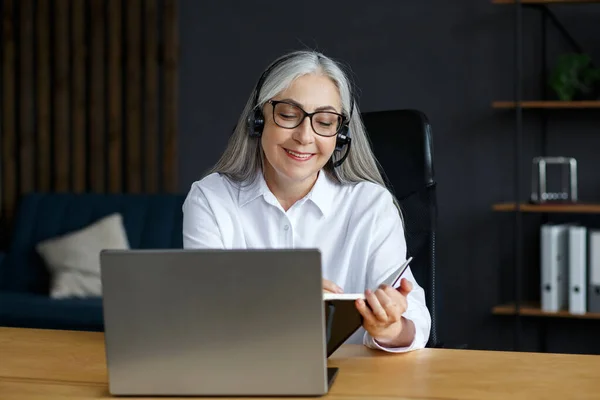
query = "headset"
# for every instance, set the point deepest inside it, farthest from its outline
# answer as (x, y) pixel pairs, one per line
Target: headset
(256, 119)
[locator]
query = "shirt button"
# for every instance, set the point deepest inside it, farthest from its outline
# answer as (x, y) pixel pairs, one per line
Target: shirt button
(286, 227)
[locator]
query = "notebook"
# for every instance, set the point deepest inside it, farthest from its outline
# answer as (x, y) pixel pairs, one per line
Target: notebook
(341, 316)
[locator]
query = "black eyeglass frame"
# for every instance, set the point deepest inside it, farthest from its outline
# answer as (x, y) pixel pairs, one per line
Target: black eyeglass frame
(342, 119)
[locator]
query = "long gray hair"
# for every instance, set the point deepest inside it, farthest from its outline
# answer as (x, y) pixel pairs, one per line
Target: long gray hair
(243, 158)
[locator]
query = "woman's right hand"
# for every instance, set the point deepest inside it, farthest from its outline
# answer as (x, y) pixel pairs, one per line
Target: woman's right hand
(330, 287)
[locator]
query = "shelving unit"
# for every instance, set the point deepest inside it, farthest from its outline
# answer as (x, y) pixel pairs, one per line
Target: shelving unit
(517, 308)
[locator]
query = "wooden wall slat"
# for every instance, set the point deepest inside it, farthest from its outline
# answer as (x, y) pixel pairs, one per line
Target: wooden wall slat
(27, 107)
(133, 96)
(43, 80)
(9, 162)
(78, 102)
(89, 97)
(97, 115)
(171, 52)
(151, 96)
(115, 131)
(61, 133)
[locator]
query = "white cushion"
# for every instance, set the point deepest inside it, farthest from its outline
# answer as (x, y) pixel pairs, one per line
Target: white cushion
(74, 259)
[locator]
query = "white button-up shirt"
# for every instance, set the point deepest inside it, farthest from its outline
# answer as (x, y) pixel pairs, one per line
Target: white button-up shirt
(356, 227)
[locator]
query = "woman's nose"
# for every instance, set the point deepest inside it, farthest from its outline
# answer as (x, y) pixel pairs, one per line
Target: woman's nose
(304, 132)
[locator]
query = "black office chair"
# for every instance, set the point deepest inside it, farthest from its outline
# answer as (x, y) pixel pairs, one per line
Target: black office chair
(402, 143)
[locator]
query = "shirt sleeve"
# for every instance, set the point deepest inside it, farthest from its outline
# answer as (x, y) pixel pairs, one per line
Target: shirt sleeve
(387, 253)
(200, 227)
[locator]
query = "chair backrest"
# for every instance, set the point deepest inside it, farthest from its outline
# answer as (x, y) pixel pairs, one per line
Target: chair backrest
(150, 220)
(402, 143)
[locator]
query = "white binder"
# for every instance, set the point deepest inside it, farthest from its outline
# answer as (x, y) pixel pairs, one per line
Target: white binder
(594, 281)
(554, 260)
(577, 269)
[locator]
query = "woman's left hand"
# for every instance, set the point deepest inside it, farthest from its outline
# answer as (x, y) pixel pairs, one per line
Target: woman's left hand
(382, 318)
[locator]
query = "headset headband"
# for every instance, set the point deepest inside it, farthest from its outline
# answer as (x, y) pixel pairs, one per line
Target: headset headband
(271, 67)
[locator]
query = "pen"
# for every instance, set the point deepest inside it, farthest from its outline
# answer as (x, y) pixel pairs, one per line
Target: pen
(402, 272)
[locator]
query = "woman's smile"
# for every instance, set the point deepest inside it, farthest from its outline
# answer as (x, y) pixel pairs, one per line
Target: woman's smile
(298, 155)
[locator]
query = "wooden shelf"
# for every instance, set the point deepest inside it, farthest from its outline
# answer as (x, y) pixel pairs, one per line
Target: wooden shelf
(547, 104)
(549, 208)
(545, 1)
(534, 310)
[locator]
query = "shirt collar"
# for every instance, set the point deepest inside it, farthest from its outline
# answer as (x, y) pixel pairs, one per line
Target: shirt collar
(248, 192)
(322, 194)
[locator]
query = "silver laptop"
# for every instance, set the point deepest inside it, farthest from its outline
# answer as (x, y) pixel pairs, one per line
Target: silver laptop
(214, 322)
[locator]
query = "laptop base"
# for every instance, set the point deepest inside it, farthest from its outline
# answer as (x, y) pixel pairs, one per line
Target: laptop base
(331, 375)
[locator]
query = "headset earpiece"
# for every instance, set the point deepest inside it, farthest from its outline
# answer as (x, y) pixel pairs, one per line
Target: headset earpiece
(256, 123)
(343, 139)
(342, 142)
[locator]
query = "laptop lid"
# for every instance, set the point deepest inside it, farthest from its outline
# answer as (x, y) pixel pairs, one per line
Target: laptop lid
(214, 322)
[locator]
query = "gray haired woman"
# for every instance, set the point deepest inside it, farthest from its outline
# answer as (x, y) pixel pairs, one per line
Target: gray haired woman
(298, 172)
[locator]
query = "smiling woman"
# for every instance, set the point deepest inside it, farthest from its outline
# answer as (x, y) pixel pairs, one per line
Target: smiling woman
(288, 179)
(297, 147)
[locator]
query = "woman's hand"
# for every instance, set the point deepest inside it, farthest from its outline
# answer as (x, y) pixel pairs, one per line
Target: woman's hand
(382, 317)
(330, 287)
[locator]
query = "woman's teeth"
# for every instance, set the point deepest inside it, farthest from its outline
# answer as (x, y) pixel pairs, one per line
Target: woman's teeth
(298, 154)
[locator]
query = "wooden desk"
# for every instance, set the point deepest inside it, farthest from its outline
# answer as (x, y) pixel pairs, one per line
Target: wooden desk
(53, 365)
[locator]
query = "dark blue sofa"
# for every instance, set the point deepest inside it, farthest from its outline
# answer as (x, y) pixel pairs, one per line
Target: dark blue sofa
(151, 221)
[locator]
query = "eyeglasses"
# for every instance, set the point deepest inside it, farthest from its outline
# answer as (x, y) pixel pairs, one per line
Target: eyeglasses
(289, 116)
